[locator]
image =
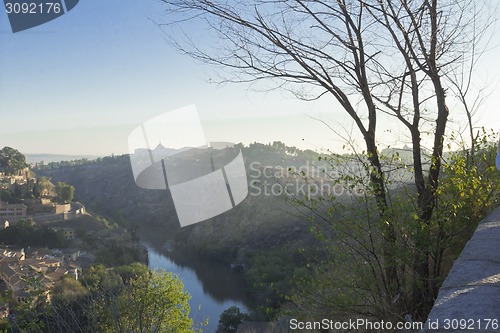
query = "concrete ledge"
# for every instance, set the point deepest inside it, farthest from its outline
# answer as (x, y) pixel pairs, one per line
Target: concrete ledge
(469, 299)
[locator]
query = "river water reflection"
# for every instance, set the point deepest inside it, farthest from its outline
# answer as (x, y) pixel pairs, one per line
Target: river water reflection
(212, 285)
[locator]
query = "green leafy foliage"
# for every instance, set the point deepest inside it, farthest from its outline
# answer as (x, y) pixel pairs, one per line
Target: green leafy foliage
(42, 187)
(117, 254)
(470, 188)
(128, 299)
(64, 192)
(230, 319)
(11, 161)
(351, 276)
(136, 300)
(25, 233)
(153, 303)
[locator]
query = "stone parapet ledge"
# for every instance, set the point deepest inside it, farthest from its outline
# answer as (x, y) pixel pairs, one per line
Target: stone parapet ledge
(469, 299)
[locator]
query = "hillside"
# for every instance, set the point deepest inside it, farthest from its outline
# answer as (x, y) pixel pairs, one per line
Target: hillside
(107, 186)
(264, 219)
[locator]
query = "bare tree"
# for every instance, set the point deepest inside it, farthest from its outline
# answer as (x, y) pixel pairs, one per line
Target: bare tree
(433, 38)
(375, 58)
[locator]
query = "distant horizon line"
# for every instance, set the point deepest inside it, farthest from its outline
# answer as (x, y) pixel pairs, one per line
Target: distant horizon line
(35, 157)
(405, 147)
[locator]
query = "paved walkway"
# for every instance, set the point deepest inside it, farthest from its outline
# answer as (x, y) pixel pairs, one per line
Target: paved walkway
(469, 299)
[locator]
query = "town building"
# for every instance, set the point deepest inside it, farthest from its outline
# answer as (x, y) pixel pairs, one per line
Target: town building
(21, 274)
(68, 233)
(13, 210)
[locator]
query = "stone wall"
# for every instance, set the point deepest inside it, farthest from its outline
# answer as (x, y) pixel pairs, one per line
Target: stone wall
(469, 299)
(59, 209)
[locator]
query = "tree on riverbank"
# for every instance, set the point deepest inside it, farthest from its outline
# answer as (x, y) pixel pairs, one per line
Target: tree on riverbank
(149, 303)
(230, 319)
(128, 299)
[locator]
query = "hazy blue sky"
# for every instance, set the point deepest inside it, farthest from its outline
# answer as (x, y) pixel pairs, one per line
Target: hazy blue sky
(81, 83)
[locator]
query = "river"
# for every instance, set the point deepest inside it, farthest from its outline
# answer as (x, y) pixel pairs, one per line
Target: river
(212, 285)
